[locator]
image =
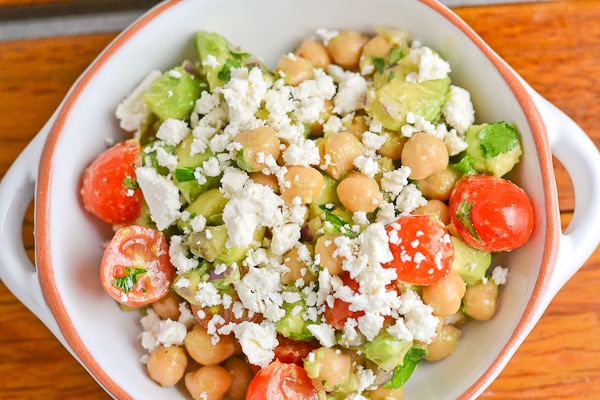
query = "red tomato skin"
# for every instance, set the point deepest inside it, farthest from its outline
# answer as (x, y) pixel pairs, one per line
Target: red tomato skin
(103, 191)
(337, 315)
(422, 248)
(281, 381)
(502, 214)
(137, 247)
(290, 351)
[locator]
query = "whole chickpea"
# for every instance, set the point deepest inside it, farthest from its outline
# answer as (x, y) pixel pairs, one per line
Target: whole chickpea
(331, 368)
(301, 181)
(168, 306)
(445, 297)
(377, 46)
(381, 393)
(444, 343)
(338, 153)
(166, 365)
(314, 52)
(393, 146)
(345, 49)
(241, 374)
(325, 249)
(294, 69)
(480, 300)
(425, 155)
(359, 192)
(267, 180)
(209, 382)
(297, 266)
(200, 347)
(257, 144)
(435, 207)
(439, 186)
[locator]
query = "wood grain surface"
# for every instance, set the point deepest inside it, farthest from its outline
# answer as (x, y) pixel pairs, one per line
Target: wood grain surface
(554, 45)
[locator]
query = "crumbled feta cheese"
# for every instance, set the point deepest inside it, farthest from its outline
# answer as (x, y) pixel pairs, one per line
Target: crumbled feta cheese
(499, 275)
(431, 65)
(324, 333)
(173, 131)
(178, 254)
(161, 195)
(257, 341)
(132, 112)
(458, 109)
(284, 238)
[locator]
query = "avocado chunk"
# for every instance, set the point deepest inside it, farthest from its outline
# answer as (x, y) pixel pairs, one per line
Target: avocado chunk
(293, 325)
(174, 94)
(495, 148)
(327, 195)
(210, 205)
(193, 279)
(211, 245)
(469, 263)
(393, 96)
(185, 172)
(386, 351)
(218, 56)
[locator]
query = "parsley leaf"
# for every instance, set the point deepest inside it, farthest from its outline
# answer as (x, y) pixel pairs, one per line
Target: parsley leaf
(465, 166)
(498, 138)
(225, 72)
(404, 371)
(379, 64)
(128, 281)
(395, 55)
(242, 163)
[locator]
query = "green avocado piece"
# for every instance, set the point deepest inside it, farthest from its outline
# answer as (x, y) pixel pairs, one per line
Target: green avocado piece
(386, 351)
(471, 264)
(210, 205)
(293, 325)
(174, 94)
(211, 245)
(327, 195)
(495, 148)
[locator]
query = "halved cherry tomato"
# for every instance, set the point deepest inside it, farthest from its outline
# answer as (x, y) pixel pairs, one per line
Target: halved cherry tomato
(293, 351)
(491, 213)
(337, 315)
(422, 249)
(136, 268)
(109, 188)
(281, 381)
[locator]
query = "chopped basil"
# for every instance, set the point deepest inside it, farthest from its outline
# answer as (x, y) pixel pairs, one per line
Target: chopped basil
(465, 166)
(404, 371)
(185, 174)
(395, 55)
(379, 64)
(335, 224)
(242, 162)
(130, 183)
(127, 282)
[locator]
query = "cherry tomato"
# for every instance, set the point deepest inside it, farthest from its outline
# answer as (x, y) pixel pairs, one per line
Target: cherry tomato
(293, 351)
(136, 268)
(490, 213)
(337, 315)
(281, 381)
(109, 188)
(422, 249)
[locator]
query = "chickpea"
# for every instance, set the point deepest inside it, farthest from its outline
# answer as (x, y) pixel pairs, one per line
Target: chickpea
(425, 155)
(168, 306)
(325, 249)
(444, 343)
(294, 69)
(480, 300)
(209, 382)
(331, 368)
(316, 129)
(166, 365)
(377, 46)
(314, 52)
(256, 145)
(393, 146)
(301, 181)
(297, 266)
(345, 49)
(382, 393)
(439, 186)
(445, 297)
(357, 126)
(241, 375)
(267, 180)
(339, 151)
(200, 347)
(435, 207)
(359, 192)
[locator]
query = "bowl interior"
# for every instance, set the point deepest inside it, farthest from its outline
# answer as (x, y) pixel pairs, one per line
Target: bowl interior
(71, 241)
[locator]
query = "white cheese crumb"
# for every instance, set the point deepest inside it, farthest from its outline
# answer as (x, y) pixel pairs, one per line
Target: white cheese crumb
(172, 131)
(458, 109)
(161, 195)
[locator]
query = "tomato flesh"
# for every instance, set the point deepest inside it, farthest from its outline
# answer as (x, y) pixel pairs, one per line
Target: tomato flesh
(108, 190)
(281, 381)
(491, 213)
(291, 351)
(337, 315)
(136, 268)
(422, 249)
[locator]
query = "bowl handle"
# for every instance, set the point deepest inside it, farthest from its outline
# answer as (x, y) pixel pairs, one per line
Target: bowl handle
(581, 159)
(16, 193)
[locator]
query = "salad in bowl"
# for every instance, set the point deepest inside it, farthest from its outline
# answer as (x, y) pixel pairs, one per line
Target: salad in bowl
(310, 229)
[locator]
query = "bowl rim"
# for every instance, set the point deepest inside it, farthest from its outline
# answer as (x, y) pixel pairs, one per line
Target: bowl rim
(43, 203)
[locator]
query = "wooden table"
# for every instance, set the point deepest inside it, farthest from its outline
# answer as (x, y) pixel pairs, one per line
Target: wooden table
(554, 45)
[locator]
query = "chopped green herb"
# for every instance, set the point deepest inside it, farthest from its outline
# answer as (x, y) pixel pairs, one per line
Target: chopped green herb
(404, 371)
(395, 55)
(130, 183)
(379, 64)
(336, 224)
(128, 281)
(498, 138)
(185, 174)
(225, 72)
(242, 162)
(463, 213)
(465, 166)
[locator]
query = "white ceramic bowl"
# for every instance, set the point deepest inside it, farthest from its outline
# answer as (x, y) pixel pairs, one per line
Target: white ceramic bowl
(65, 292)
